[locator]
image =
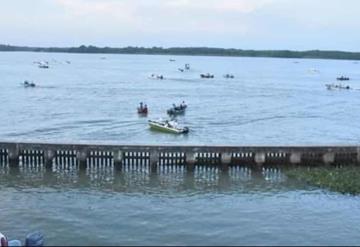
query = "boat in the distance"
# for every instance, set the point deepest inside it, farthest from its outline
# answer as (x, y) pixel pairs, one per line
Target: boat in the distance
(229, 76)
(343, 78)
(176, 110)
(29, 84)
(142, 109)
(168, 126)
(43, 65)
(206, 76)
(337, 86)
(156, 77)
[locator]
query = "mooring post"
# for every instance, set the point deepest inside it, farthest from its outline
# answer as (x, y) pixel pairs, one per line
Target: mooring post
(225, 161)
(81, 156)
(190, 160)
(118, 159)
(154, 159)
(329, 158)
(295, 158)
(13, 154)
(48, 158)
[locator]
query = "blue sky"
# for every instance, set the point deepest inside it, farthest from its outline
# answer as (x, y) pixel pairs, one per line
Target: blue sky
(245, 24)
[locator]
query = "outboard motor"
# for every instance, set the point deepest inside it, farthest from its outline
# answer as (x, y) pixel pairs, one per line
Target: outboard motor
(35, 239)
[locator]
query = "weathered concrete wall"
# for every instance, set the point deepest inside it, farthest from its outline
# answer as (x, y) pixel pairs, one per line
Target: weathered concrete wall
(187, 155)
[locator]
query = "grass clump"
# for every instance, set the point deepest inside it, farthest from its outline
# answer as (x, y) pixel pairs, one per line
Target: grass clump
(344, 179)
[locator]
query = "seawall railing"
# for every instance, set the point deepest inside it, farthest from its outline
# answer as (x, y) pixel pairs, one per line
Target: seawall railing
(153, 156)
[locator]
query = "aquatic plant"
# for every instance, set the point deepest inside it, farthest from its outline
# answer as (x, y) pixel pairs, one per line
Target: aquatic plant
(342, 179)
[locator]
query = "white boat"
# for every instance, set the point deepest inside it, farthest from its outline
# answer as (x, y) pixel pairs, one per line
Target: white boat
(43, 65)
(168, 127)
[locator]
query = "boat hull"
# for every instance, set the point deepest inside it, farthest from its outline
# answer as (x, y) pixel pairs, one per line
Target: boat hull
(161, 128)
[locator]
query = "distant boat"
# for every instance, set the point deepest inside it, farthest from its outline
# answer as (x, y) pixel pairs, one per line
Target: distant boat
(181, 70)
(29, 84)
(187, 66)
(43, 65)
(172, 60)
(337, 86)
(206, 76)
(176, 110)
(142, 109)
(229, 76)
(157, 77)
(343, 78)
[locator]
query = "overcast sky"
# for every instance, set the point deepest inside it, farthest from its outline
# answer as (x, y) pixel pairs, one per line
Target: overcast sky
(246, 24)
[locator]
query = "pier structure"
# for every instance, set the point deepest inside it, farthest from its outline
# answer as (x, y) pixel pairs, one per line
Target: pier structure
(154, 156)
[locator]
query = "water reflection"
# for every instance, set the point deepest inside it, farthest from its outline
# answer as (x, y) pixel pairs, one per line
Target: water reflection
(135, 178)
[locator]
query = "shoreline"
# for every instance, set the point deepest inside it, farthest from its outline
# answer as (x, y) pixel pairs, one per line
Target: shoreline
(191, 51)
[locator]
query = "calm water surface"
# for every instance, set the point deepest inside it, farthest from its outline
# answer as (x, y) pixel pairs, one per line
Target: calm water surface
(271, 101)
(172, 208)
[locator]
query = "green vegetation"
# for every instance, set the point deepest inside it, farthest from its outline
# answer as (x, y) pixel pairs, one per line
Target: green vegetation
(200, 51)
(344, 179)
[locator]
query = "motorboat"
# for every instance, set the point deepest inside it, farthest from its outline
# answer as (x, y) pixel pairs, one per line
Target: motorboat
(343, 78)
(206, 76)
(142, 109)
(43, 65)
(229, 76)
(29, 84)
(181, 70)
(168, 126)
(176, 110)
(156, 77)
(337, 86)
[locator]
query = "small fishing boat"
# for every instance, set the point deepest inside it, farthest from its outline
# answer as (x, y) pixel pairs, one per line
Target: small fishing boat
(168, 127)
(43, 65)
(176, 110)
(337, 86)
(206, 76)
(156, 77)
(187, 66)
(142, 109)
(229, 76)
(343, 78)
(29, 84)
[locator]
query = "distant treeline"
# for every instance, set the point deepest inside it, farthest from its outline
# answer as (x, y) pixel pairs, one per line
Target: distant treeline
(200, 51)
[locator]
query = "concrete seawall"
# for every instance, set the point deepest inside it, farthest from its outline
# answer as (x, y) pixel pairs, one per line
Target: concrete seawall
(82, 155)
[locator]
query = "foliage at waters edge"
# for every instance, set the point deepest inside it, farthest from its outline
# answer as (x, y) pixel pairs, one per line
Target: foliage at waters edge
(342, 179)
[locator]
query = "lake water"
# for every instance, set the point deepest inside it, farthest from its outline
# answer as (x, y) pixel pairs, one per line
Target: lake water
(270, 101)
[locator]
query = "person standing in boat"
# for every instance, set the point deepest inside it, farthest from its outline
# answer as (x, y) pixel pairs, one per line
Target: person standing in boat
(182, 105)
